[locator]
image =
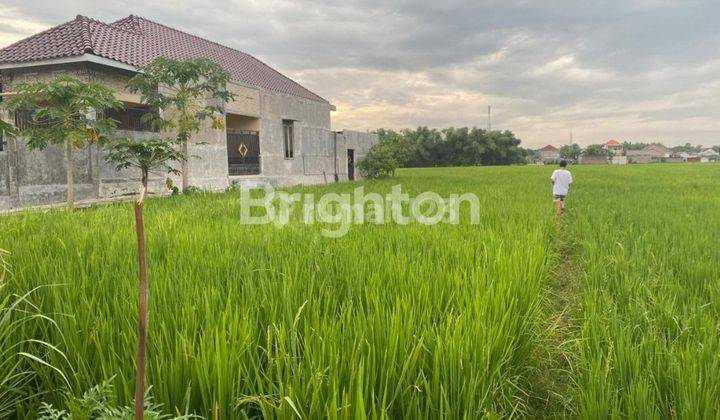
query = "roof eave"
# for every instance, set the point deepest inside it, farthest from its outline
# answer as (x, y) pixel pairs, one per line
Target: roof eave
(67, 60)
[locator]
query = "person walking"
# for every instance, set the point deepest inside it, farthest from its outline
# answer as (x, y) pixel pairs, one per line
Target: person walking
(561, 180)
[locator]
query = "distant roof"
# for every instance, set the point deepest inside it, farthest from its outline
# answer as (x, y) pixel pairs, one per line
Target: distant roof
(612, 142)
(137, 41)
(656, 147)
(549, 148)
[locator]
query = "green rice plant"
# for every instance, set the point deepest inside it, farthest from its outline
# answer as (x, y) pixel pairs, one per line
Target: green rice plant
(21, 356)
(647, 241)
(389, 321)
(395, 321)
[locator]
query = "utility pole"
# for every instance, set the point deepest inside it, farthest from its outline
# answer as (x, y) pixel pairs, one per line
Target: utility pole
(489, 127)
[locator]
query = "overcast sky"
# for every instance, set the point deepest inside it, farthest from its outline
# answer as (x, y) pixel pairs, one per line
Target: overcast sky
(637, 70)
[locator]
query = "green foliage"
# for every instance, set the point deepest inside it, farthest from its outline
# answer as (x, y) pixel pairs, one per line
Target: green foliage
(62, 111)
(181, 89)
(259, 322)
(22, 355)
(595, 150)
(97, 403)
(7, 130)
(379, 162)
(148, 155)
(571, 151)
(393, 321)
(425, 147)
(687, 148)
(647, 340)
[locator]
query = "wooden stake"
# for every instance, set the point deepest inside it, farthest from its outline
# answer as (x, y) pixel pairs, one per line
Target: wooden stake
(142, 308)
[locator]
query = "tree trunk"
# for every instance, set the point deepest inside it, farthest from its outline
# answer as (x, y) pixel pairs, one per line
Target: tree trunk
(69, 169)
(142, 308)
(185, 166)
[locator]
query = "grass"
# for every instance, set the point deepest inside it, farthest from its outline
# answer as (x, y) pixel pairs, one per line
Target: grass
(388, 321)
(446, 321)
(650, 282)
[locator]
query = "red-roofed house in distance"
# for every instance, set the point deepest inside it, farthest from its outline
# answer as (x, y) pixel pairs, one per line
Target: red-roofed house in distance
(548, 154)
(276, 130)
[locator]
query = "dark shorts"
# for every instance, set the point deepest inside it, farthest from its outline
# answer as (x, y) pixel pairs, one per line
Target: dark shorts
(559, 197)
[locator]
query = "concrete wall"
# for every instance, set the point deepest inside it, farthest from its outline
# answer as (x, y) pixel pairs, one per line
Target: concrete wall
(38, 177)
(4, 180)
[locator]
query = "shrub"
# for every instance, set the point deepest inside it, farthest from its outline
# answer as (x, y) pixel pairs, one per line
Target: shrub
(96, 403)
(380, 162)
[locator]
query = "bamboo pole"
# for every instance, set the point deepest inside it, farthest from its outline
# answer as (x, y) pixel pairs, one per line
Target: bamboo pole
(142, 308)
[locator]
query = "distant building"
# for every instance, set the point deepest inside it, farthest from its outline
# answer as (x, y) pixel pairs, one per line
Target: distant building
(548, 154)
(680, 156)
(614, 147)
(648, 154)
(709, 155)
(619, 160)
(594, 160)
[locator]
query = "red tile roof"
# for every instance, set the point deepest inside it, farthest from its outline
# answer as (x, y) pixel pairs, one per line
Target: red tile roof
(137, 41)
(612, 142)
(549, 148)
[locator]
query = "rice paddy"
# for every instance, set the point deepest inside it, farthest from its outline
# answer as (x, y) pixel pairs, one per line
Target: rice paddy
(389, 321)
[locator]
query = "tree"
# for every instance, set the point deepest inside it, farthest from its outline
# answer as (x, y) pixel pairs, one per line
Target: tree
(147, 155)
(188, 92)
(379, 162)
(63, 111)
(402, 148)
(454, 147)
(595, 150)
(570, 151)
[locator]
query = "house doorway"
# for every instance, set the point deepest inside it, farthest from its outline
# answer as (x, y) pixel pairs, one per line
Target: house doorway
(243, 152)
(243, 144)
(351, 164)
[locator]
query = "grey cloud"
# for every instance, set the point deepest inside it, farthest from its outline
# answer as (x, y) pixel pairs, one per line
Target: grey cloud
(599, 68)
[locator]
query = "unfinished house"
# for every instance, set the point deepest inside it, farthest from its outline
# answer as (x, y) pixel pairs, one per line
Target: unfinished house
(276, 131)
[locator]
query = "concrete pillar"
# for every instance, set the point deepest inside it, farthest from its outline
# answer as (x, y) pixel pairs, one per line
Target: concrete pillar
(94, 156)
(13, 182)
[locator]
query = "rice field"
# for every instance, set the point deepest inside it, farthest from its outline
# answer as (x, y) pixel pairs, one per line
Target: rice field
(389, 321)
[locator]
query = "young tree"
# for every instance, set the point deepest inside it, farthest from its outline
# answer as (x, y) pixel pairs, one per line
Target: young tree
(571, 151)
(187, 92)
(148, 155)
(595, 150)
(379, 162)
(63, 111)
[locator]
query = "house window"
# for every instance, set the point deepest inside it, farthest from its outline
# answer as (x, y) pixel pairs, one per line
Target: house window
(288, 139)
(24, 120)
(130, 118)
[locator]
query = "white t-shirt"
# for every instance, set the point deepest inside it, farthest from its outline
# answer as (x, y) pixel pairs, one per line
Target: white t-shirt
(561, 181)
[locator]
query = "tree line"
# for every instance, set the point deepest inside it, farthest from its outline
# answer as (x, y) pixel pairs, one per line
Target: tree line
(429, 147)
